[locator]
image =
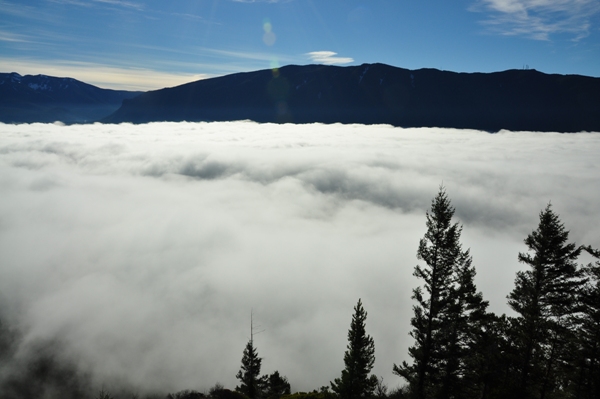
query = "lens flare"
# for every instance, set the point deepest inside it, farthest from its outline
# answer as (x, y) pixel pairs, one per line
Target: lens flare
(267, 26)
(269, 37)
(274, 63)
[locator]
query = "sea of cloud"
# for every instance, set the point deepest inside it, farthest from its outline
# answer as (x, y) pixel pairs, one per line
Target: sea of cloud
(141, 250)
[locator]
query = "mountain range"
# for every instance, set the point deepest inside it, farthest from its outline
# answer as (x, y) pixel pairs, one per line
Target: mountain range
(41, 98)
(372, 94)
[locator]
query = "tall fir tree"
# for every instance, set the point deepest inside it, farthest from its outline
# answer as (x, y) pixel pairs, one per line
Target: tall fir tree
(355, 382)
(448, 311)
(544, 297)
(251, 383)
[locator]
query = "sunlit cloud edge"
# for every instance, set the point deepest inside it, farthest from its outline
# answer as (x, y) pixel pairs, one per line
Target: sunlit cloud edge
(328, 58)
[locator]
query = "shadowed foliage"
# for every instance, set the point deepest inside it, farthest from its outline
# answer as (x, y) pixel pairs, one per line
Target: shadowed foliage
(355, 382)
(251, 383)
(449, 314)
(545, 299)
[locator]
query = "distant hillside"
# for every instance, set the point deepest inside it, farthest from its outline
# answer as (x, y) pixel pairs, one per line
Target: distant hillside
(377, 93)
(43, 98)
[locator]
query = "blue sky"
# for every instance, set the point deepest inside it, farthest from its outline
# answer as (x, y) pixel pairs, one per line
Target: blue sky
(136, 44)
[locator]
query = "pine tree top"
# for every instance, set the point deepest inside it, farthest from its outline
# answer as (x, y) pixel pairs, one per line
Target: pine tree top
(548, 286)
(359, 359)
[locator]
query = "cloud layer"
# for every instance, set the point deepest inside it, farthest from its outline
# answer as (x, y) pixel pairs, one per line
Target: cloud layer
(142, 249)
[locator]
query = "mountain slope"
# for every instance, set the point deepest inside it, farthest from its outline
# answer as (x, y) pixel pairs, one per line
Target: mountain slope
(377, 93)
(43, 98)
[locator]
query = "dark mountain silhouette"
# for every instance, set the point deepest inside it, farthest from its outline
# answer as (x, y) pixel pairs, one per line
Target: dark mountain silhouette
(43, 98)
(377, 93)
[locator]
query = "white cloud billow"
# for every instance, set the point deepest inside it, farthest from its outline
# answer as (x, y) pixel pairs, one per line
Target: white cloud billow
(328, 58)
(539, 19)
(142, 248)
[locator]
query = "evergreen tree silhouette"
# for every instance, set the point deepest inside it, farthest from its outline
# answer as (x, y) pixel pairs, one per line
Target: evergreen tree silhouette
(359, 359)
(545, 299)
(251, 384)
(277, 386)
(449, 311)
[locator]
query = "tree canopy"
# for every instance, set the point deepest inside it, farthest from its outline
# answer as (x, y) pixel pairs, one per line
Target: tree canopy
(251, 384)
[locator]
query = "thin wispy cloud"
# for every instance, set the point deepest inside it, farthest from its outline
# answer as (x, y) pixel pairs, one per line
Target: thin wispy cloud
(268, 59)
(127, 4)
(242, 54)
(328, 58)
(539, 19)
(73, 2)
(12, 37)
(194, 17)
(120, 3)
(22, 11)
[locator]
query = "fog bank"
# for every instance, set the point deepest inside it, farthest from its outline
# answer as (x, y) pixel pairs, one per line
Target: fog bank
(140, 250)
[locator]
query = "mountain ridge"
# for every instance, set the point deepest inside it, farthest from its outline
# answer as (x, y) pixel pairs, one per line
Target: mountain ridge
(379, 93)
(517, 99)
(42, 98)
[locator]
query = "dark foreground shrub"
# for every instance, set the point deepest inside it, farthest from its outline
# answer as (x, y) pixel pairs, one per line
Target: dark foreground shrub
(322, 394)
(186, 394)
(220, 393)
